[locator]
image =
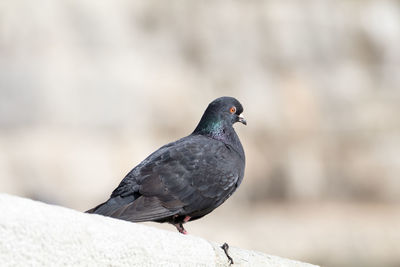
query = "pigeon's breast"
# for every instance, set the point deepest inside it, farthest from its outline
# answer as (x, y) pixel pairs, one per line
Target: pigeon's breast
(216, 171)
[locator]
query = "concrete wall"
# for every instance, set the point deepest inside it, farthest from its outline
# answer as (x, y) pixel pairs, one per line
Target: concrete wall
(36, 234)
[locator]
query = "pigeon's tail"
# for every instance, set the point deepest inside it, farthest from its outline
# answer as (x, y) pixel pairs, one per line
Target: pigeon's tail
(95, 208)
(110, 206)
(103, 209)
(134, 210)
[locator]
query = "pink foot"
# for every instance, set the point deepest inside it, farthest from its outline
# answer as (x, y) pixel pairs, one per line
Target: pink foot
(180, 228)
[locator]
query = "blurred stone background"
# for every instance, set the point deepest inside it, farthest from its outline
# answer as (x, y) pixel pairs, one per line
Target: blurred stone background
(90, 88)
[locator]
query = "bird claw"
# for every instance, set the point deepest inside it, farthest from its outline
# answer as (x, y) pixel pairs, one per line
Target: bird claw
(180, 228)
(225, 247)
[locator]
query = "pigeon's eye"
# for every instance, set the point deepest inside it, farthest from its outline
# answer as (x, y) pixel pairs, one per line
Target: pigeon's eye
(232, 110)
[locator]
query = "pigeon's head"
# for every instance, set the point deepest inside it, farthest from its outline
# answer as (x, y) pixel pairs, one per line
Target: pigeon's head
(221, 113)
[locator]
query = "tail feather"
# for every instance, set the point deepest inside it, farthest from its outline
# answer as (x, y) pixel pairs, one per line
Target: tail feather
(108, 207)
(95, 208)
(134, 210)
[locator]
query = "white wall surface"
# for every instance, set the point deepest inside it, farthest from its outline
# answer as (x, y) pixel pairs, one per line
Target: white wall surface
(36, 234)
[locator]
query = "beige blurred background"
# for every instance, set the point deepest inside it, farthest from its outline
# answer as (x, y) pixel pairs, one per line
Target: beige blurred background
(90, 88)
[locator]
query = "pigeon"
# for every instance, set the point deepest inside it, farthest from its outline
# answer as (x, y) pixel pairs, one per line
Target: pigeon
(186, 179)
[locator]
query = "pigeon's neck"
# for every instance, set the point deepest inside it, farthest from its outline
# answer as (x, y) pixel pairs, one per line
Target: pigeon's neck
(219, 131)
(210, 125)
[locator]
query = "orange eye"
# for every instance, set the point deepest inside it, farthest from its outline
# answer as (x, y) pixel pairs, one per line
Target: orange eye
(232, 110)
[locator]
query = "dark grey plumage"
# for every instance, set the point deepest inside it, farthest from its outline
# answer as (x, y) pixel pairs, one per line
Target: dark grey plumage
(186, 179)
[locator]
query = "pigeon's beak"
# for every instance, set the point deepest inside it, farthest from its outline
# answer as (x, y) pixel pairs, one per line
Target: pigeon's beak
(242, 120)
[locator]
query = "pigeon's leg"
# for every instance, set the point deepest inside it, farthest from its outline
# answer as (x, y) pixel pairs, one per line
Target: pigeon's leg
(225, 247)
(179, 224)
(180, 228)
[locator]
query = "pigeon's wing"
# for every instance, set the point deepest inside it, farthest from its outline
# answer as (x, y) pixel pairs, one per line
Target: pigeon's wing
(197, 175)
(193, 175)
(129, 202)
